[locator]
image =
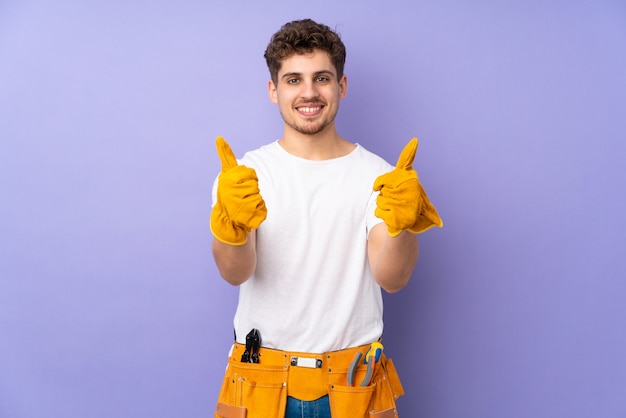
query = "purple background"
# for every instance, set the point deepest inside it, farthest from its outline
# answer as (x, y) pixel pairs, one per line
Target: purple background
(110, 303)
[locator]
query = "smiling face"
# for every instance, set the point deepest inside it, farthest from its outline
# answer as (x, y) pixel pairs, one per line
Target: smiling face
(307, 92)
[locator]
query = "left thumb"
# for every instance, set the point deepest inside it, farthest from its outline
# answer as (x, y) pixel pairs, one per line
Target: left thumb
(407, 156)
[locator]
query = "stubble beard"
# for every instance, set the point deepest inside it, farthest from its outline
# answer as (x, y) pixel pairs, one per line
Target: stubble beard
(310, 128)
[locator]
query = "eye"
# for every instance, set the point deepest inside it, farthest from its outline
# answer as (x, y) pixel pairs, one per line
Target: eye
(322, 79)
(293, 81)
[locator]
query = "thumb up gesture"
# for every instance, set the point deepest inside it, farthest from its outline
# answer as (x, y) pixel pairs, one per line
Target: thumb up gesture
(239, 207)
(402, 202)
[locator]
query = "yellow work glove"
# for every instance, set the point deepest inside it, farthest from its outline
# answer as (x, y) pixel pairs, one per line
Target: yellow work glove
(402, 203)
(239, 207)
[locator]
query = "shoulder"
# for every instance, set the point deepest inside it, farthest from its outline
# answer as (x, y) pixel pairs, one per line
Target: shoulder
(266, 152)
(372, 160)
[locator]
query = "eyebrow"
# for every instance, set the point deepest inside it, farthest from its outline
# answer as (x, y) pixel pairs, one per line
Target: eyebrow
(315, 74)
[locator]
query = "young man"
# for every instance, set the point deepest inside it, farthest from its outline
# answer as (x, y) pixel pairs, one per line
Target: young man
(311, 227)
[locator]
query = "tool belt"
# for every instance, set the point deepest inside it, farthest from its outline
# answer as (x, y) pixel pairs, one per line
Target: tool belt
(260, 390)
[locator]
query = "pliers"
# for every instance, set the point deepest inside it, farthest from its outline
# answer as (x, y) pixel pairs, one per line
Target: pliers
(253, 342)
(371, 358)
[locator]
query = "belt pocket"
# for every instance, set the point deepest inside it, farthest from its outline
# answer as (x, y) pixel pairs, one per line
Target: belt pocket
(394, 379)
(252, 390)
(378, 400)
(388, 390)
(349, 401)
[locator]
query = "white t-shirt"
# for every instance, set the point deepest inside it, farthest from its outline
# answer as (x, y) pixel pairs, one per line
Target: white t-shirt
(312, 290)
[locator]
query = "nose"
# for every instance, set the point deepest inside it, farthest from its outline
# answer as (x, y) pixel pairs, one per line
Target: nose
(309, 90)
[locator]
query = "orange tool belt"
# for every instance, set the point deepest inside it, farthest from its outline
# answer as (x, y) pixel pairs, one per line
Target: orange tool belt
(252, 390)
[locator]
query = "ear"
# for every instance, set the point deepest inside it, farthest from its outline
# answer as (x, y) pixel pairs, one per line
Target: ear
(271, 91)
(343, 87)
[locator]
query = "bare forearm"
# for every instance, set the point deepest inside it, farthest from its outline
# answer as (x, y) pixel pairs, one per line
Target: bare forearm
(236, 263)
(392, 259)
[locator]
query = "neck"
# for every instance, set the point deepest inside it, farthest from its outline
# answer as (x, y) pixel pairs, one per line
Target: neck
(324, 145)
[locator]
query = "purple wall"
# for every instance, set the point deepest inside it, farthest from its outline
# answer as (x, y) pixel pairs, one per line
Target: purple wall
(110, 303)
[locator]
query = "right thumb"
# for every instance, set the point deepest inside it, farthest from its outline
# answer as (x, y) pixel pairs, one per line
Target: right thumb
(226, 154)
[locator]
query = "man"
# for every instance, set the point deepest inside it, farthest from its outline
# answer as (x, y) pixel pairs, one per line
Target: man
(311, 227)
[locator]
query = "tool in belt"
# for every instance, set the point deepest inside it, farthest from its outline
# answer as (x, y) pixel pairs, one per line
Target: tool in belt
(371, 358)
(253, 343)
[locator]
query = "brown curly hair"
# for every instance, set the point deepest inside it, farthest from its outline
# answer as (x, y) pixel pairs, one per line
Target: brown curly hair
(301, 37)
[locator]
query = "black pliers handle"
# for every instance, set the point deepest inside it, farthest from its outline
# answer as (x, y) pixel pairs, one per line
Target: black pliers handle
(253, 343)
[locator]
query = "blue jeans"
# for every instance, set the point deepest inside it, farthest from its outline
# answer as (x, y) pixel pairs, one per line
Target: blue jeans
(319, 408)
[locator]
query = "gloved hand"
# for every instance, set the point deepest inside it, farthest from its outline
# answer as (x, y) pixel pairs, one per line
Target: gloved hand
(239, 207)
(402, 203)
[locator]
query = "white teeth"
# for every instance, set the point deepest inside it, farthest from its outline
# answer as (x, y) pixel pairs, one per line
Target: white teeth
(309, 109)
